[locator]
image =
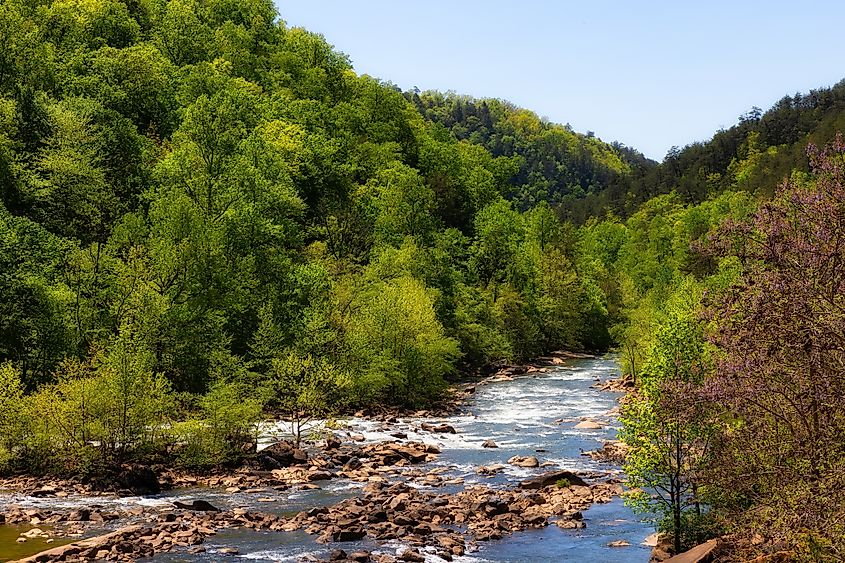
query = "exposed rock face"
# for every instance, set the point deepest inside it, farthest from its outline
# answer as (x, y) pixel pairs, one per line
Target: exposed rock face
(551, 478)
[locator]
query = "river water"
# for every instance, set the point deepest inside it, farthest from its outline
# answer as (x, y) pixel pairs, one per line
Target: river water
(529, 415)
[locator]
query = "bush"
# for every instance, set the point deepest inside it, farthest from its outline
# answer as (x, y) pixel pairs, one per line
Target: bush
(226, 431)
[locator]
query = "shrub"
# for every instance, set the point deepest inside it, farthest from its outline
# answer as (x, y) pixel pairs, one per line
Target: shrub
(226, 431)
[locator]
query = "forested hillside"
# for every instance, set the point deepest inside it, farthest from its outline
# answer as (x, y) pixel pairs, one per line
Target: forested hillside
(206, 214)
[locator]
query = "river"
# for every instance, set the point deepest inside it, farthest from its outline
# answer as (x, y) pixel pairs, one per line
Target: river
(528, 415)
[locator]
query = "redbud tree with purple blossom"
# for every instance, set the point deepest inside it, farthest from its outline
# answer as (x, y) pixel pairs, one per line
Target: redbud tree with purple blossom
(779, 382)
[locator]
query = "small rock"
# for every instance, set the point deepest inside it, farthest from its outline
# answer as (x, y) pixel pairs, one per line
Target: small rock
(199, 505)
(651, 540)
(45, 491)
(589, 425)
(348, 535)
(353, 464)
(524, 461)
(489, 444)
(438, 428)
(412, 555)
(550, 478)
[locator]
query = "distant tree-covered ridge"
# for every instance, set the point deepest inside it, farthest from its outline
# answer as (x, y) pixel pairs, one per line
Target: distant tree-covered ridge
(754, 155)
(553, 163)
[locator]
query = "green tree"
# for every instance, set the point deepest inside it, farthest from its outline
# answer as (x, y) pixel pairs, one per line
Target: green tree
(400, 347)
(668, 435)
(306, 390)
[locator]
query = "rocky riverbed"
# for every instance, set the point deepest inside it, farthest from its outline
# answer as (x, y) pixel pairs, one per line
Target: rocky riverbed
(507, 479)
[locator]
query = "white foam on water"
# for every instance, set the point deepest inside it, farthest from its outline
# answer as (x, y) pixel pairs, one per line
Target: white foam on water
(430, 554)
(281, 556)
(348, 486)
(82, 501)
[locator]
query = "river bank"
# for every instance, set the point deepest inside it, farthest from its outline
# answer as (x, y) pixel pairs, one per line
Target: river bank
(531, 418)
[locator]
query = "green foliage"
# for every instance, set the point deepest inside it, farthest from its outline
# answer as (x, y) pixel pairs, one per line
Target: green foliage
(754, 156)
(545, 162)
(397, 343)
(205, 213)
(305, 389)
(668, 437)
(225, 430)
(11, 416)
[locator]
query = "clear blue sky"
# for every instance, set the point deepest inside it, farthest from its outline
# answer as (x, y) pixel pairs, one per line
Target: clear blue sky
(646, 73)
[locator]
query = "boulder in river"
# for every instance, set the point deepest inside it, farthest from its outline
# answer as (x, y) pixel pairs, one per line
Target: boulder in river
(589, 425)
(614, 451)
(318, 476)
(197, 505)
(348, 534)
(524, 461)
(285, 454)
(550, 478)
(139, 479)
(438, 428)
(489, 444)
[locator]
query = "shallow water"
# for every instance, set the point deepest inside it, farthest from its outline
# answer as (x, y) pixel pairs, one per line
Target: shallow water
(532, 415)
(10, 549)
